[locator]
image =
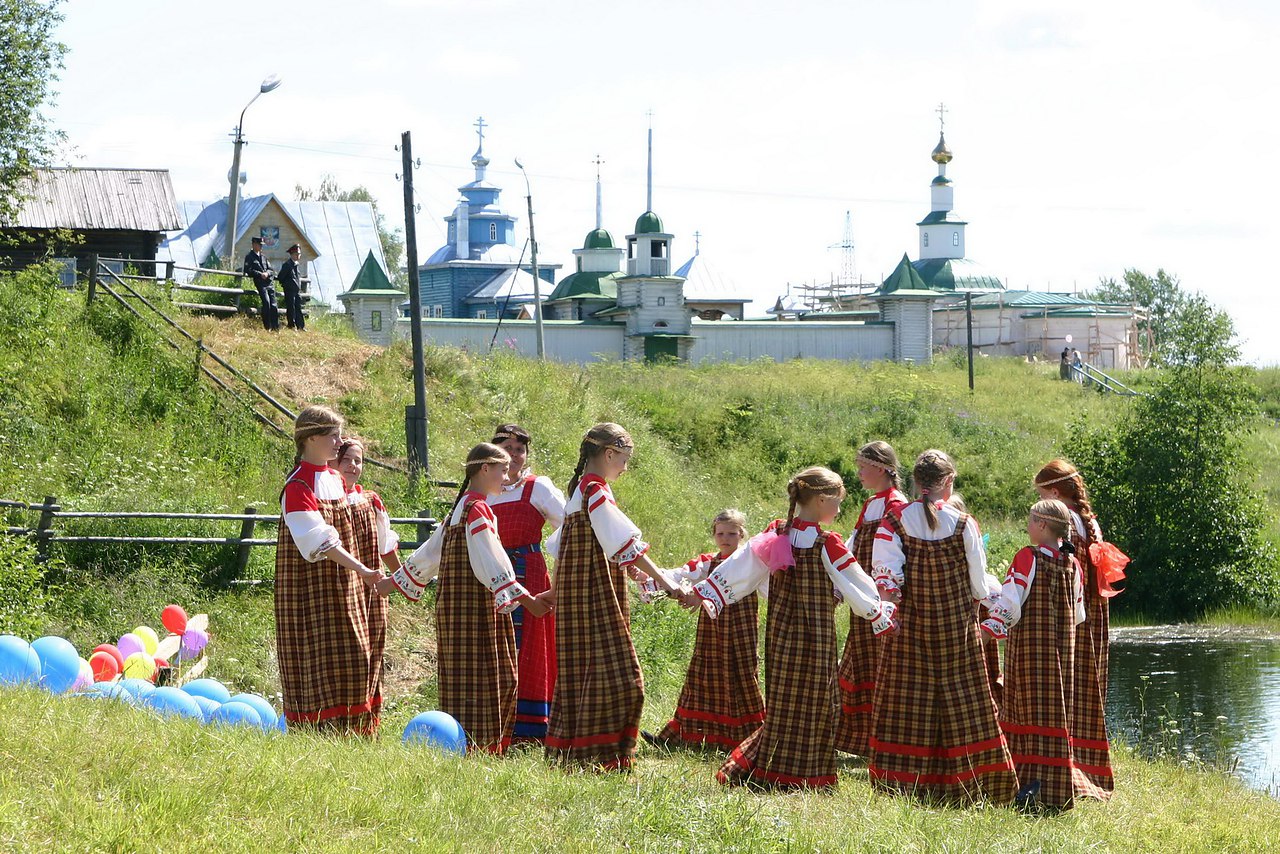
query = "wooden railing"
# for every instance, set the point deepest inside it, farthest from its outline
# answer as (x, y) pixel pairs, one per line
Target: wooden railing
(44, 533)
(236, 295)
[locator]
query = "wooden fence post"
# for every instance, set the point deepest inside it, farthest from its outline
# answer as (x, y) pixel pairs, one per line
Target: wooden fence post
(43, 532)
(93, 277)
(424, 529)
(168, 271)
(242, 553)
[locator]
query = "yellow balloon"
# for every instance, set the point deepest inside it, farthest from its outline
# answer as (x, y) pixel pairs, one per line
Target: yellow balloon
(150, 640)
(140, 665)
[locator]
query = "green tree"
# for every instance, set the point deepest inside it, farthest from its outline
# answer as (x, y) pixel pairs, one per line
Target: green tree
(1159, 297)
(1171, 481)
(391, 238)
(30, 58)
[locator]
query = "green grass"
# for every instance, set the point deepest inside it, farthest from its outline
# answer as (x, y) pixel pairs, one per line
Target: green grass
(79, 775)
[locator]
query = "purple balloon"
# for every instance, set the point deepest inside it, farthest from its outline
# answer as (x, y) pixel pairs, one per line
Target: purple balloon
(193, 641)
(129, 644)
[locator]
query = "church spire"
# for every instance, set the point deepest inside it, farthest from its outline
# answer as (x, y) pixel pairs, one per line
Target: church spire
(599, 206)
(941, 232)
(648, 195)
(478, 159)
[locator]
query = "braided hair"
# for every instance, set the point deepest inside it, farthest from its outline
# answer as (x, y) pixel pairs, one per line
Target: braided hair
(931, 471)
(883, 456)
(805, 485)
(1057, 517)
(598, 439)
(477, 457)
(1065, 478)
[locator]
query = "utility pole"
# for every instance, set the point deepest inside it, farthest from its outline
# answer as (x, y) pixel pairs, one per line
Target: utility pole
(415, 416)
(233, 197)
(537, 283)
(968, 327)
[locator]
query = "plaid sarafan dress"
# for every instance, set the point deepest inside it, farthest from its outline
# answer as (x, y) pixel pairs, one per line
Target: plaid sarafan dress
(795, 746)
(720, 703)
(330, 626)
(934, 725)
(1039, 673)
(862, 649)
(1088, 715)
(476, 645)
(599, 690)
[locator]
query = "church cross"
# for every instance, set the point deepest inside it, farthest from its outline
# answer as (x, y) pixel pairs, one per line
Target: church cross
(697, 242)
(598, 163)
(480, 126)
(942, 116)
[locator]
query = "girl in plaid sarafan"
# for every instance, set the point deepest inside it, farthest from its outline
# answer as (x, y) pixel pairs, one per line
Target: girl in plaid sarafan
(878, 473)
(525, 506)
(720, 703)
(478, 591)
(1060, 480)
(1038, 610)
(330, 626)
(599, 693)
(803, 565)
(935, 730)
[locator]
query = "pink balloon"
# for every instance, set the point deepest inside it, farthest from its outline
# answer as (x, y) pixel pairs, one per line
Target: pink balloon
(193, 641)
(129, 644)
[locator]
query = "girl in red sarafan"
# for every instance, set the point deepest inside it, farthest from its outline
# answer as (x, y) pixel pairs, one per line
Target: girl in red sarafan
(720, 703)
(524, 507)
(878, 472)
(329, 640)
(803, 565)
(478, 591)
(1038, 610)
(599, 694)
(1060, 480)
(935, 730)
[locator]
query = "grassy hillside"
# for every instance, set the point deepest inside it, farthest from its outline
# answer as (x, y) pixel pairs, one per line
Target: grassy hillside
(96, 410)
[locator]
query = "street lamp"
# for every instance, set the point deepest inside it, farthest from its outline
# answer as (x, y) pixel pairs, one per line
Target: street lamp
(233, 199)
(537, 283)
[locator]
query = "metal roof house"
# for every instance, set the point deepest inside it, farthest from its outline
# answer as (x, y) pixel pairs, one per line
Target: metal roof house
(115, 213)
(336, 238)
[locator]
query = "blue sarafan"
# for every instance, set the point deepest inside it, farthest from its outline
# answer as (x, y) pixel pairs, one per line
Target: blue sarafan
(437, 729)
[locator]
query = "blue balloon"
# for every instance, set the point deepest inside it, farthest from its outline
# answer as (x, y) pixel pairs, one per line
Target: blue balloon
(173, 703)
(18, 662)
(438, 730)
(139, 688)
(211, 688)
(281, 725)
(112, 691)
(207, 707)
(236, 714)
(59, 664)
(266, 714)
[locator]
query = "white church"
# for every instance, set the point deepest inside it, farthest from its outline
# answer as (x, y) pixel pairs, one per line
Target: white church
(629, 302)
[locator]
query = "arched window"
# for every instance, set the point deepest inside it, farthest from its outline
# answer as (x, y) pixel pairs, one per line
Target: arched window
(453, 231)
(493, 231)
(661, 324)
(955, 238)
(925, 238)
(662, 300)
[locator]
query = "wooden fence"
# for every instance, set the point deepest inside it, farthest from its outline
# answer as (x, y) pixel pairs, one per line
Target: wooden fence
(44, 533)
(235, 295)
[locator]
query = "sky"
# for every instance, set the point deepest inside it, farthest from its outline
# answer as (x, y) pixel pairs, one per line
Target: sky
(1089, 137)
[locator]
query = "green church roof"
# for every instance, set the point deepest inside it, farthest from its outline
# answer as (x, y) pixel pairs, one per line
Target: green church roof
(904, 281)
(372, 280)
(598, 238)
(941, 218)
(957, 274)
(649, 223)
(598, 285)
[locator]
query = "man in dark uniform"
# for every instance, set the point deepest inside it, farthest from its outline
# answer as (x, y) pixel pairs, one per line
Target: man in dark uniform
(291, 280)
(257, 266)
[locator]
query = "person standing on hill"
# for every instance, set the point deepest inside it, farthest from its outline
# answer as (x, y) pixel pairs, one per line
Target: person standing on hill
(257, 267)
(330, 657)
(1064, 364)
(291, 280)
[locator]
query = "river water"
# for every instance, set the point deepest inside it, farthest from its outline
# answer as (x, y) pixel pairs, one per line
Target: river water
(1200, 694)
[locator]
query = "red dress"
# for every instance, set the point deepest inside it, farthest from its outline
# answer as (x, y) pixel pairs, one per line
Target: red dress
(520, 527)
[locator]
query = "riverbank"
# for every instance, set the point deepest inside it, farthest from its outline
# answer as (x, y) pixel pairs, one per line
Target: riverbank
(78, 775)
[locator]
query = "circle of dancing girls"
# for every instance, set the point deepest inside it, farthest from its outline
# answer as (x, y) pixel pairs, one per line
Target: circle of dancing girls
(599, 693)
(803, 564)
(935, 730)
(478, 590)
(720, 703)
(330, 622)
(526, 504)
(878, 474)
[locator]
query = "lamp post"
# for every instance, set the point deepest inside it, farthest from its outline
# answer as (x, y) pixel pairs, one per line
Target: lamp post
(537, 283)
(233, 198)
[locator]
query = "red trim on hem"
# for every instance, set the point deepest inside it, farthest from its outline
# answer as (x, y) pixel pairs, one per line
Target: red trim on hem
(1031, 729)
(1091, 744)
(1033, 759)
(704, 738)
(495, 749)
(936, 779)
(859, 686)
(945, 752)
(371, 707)
(862, 709)
(1096, 770)
(531, 719)
(591, 740)
(691, 714)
